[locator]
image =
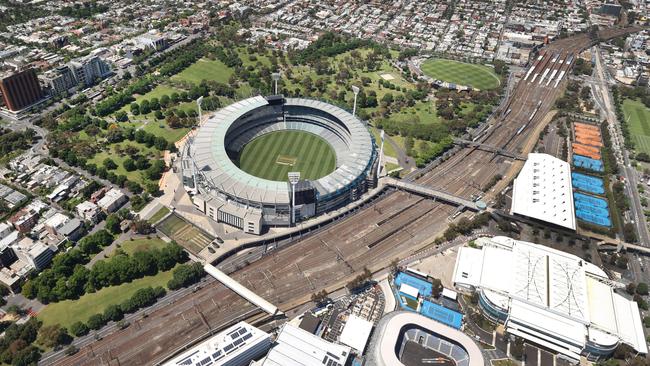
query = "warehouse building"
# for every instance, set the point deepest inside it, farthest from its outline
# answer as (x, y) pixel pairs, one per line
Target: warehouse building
(550, 298)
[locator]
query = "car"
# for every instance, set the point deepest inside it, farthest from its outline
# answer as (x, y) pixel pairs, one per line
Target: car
(212, 251)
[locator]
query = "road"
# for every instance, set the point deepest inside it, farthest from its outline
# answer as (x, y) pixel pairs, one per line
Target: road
(601, 93)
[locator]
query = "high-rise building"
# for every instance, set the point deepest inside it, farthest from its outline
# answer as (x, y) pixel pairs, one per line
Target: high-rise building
(89, 69)
(20, 90)
(60, 80)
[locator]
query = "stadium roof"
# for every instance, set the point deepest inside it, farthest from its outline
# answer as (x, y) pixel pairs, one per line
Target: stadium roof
(213, 163)
(553, 292)
(389, 332)
(543, 191)
(356, 333)
(297, 347)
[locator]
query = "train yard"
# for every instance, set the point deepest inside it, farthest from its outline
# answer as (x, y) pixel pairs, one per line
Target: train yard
(396, 225)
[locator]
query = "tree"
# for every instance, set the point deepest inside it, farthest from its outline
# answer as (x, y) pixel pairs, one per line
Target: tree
(436, 287)
(109, 164)
(185, 275)
(142, 227)
(319, 297)
(642, 288)
(159, 115)
(121, 116)
(129, 165)
(96, 321)
(27, 356)
(113, 224)
(113, 312)
(630, 288)
(52, 336)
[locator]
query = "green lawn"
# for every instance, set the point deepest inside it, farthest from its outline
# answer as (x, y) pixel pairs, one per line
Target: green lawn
(422, 112)
(275, 154)
(477, 76)
(158, 215)
(637, 116)
(69, 311)
(160, 128)
(142, 245)
(205, 69)
(185, 234)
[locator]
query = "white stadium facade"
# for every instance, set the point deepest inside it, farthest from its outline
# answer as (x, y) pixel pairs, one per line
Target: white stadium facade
(549, 297)
(227, 194)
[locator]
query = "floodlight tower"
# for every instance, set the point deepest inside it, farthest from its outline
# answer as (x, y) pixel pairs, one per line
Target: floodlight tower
(198, 104)
(355, 90)
(381, 152)
(294, 177)
(276, 77)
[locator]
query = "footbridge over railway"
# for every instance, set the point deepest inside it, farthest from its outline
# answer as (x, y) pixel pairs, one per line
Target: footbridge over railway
(434, 193)
(489, 148)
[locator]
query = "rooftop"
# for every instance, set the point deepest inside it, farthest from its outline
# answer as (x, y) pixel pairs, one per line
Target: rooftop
(543, 191)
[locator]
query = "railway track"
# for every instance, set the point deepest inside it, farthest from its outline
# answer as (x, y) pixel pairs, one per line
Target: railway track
(395, 226)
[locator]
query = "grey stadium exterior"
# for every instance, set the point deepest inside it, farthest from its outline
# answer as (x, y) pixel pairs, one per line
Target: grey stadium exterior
(227, 194)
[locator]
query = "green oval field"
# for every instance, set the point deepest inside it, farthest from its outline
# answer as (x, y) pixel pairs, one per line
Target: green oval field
(273, 155)
(477, 76)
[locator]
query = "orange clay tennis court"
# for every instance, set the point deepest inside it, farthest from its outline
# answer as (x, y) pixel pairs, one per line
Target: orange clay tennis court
(588, 151)
(587, 135)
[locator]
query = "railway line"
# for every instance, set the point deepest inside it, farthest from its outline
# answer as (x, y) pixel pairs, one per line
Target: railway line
(396, 226)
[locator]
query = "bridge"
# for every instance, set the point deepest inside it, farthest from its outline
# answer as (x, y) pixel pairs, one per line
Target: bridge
(433, 193)
(489, 148)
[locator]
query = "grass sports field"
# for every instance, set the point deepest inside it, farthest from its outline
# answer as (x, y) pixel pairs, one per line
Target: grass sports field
(478, 76)
(275, 154)
(205, 69)
(637, 116)
(185, 234)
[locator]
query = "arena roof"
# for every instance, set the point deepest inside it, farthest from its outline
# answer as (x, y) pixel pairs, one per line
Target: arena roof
(553, 292)
(213, 163)
(543, 191)
(387, 335)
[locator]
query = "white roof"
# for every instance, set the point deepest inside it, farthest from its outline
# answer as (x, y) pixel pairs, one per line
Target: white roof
(239, 342)
(356, 333)
(551, 291)
(409, 290)
(450, 294)
(543, 191)
(297, 347)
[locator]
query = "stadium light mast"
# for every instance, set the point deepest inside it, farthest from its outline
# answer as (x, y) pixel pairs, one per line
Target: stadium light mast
(381, 152)
(294, 177)
(198, 104)
(355, 90)
(276, 77)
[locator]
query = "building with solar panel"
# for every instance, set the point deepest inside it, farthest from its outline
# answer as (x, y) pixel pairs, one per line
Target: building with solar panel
(238, 345)
(213, 172)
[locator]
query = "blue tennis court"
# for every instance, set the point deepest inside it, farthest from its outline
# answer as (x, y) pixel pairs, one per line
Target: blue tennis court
(441, 314)
(594, 218)
(580, 198)
(588, 183)
(588, 163)
(425, 288)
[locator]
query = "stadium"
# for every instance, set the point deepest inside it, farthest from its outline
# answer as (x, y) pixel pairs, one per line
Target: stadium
(236, 166)
(410, 339)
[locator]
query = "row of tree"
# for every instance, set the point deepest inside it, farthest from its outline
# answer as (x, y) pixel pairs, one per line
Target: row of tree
(64, 282)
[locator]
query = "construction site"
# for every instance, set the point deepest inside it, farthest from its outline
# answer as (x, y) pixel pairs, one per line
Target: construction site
(395, 225)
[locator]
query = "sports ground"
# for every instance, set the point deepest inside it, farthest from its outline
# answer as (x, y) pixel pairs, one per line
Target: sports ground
(273, 155)
(478, 76)
(637, 116)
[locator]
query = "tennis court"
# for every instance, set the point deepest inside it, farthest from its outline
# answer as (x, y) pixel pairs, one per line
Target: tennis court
(441, 314)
